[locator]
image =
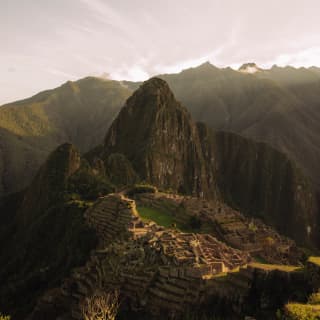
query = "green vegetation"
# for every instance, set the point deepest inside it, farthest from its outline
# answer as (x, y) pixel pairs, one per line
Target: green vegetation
(302, 311)
(158, 216)
(314, 298)
(2, 317)
(79, 112)
(89, 186)
(260, 259)
(162, 218)
(120, 171)
(298, 311)
(30, 120)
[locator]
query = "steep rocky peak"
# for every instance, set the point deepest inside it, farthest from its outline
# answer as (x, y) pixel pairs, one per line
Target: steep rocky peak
(150, 108)
(152, 94)
(67, 156)
(157, 135)
(50, 182)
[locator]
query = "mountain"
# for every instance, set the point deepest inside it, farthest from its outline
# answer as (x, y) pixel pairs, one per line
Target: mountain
(279, 106)
(157, 135)
(77, 112)
(261, 181)
(49, 183)
(249, 68)
(43, 234)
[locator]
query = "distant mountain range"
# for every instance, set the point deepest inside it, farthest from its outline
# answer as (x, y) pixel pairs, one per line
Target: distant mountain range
(280, 106)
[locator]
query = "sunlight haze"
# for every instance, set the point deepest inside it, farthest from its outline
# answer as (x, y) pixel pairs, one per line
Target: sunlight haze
(45, 43)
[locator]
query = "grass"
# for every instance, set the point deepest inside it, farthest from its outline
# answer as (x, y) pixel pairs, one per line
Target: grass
(298, 311)
(259, 259)
(271, 267)
(160, 217)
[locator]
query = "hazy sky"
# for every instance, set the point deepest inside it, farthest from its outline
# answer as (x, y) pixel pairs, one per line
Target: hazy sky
(47, 42)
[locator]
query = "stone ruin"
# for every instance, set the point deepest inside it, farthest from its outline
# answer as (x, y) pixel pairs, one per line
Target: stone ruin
(228, 225)
(116, 218)
(160, 271)
(154, 268)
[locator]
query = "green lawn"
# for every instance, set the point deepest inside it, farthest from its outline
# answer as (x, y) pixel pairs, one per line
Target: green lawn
(164, 218)
(160, 217)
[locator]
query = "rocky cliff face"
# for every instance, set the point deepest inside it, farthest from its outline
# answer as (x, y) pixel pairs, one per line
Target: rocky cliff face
(50, 182)
(261, 181)
(159, 138)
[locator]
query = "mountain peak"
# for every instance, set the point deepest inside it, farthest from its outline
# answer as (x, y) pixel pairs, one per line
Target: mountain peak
(50, 181)
(155, 82)
(153, 94)
(154, 86)
(249, 67)
(157, 135)
(206, 64)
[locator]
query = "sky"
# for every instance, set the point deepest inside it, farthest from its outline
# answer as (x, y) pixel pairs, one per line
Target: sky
(44, 43)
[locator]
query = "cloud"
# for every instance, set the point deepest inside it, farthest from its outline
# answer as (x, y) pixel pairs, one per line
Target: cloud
(110, 17)
(140, 38)
(135, 73)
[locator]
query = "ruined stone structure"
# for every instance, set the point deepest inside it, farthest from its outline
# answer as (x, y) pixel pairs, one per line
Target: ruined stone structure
(228, 225)
(159, 269)
(155, 268)
(115, 218)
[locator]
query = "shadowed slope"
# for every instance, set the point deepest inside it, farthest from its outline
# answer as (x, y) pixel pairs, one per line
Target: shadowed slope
(77, 112)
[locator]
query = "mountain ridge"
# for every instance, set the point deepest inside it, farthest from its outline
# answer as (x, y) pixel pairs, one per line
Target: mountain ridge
(265, 106)
(76, 112)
